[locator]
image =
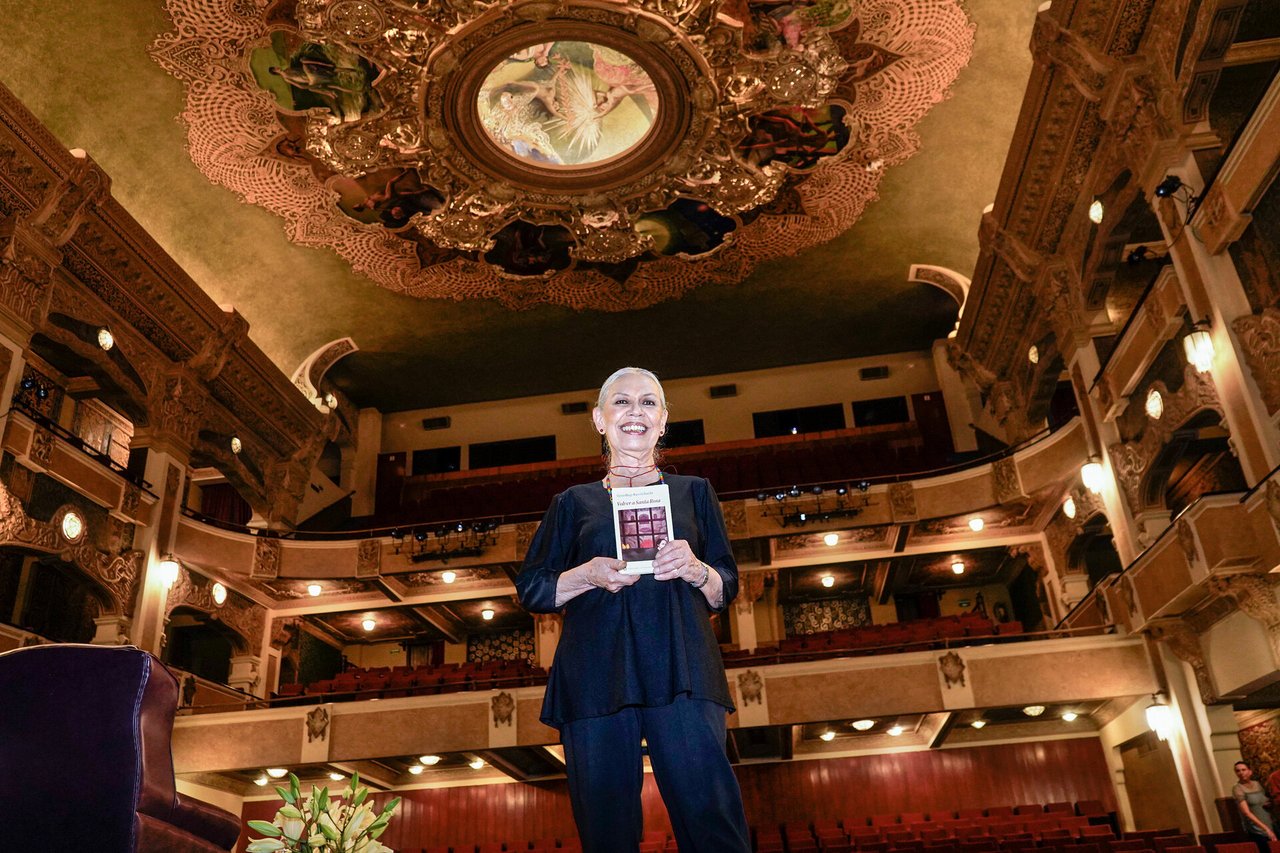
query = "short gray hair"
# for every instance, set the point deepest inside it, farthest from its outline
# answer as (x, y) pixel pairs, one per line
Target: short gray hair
(618, 374)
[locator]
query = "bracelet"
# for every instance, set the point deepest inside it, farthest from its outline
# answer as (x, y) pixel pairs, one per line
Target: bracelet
(706, 576)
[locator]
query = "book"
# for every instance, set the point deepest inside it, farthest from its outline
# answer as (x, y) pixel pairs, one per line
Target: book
(641, 523)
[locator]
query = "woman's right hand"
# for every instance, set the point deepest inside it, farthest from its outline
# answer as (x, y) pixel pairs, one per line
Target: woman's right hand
(606, 573)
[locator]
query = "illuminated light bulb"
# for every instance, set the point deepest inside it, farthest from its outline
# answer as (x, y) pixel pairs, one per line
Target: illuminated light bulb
(219, 594)
(976, 525)
(1198, 347)
(1033, 710)
(430, 760)
(977, 724)
(106, 340)
(277, 772)
(168, 570)
(957, 567)
(1160, 718)
(236, 445)
(831, 540)
(486, 614)
(1070, 716)
(369, 624)
(261, 781)
(416, 769)
(894, 731)
(448, 576)
(314, 590)
(1097, 211)
(336, 777)
(828, 581)
(1033, 355)
(73, 527)
(828, 735)
(1069, 507)
(476, 763)
(1154, 405)
(863, 725)
(1092, 477)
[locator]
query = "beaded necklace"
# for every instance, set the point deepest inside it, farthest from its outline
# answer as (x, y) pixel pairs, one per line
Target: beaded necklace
(608, 487)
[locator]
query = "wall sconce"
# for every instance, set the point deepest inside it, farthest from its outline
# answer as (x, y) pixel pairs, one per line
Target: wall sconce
(1198, 346)
(1160, 717)
(957, 567)
(1092, 477)
(219, 593)
(106, 340)
(1097, 210)
(1069, 507)
(168, 570)
(314, 590)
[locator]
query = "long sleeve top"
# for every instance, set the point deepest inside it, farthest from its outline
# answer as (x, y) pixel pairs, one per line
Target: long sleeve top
(651, 641)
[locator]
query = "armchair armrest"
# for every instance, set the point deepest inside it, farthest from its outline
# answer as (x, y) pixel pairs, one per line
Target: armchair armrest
(205, 821)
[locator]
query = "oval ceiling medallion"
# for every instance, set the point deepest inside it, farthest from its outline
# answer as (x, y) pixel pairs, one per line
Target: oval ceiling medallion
(604, 155)
(567, 103)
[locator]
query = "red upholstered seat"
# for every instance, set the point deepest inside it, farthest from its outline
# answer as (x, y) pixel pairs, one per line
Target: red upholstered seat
(1237, 847)
(1164, 842)
(1090, 807)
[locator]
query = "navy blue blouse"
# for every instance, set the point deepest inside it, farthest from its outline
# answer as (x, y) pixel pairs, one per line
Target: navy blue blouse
(651, 641)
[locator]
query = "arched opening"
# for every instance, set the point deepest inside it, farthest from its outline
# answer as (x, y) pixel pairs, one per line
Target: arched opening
(1197, 460)
(56, 600)
(197, 643)
(1093, 552)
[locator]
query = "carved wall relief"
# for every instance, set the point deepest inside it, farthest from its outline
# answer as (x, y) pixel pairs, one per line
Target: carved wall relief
(1260, 339)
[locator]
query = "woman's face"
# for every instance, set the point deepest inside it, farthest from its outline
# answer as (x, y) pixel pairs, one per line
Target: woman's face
(1243, 773)
(632, 417)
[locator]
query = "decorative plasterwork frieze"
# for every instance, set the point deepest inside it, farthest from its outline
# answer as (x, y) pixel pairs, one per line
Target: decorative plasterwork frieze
(1132, 459)
(1256, 598)
(1184, 642)
(266, 559)
(1260, 340)
(245, 618)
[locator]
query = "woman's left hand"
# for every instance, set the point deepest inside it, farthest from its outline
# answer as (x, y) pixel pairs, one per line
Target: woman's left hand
(675, 560)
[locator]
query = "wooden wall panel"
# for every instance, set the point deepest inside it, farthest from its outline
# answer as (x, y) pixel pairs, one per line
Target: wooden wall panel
(858, 787)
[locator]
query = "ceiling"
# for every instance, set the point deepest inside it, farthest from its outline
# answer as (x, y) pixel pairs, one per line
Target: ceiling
(83, 68)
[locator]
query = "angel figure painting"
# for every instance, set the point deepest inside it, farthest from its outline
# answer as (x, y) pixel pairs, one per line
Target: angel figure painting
(567, 103)
(304, 75)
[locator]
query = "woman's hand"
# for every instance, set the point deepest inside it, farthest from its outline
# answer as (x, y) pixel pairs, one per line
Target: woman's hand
(606, 573)
(675, 560)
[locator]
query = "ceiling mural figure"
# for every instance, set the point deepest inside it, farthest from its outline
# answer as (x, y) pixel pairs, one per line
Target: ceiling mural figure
(600, 155)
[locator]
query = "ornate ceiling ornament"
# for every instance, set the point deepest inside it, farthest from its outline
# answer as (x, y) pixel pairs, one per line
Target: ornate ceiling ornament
(605, 154)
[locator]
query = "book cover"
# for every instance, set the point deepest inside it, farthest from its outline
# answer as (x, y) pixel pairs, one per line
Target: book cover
(641, 522)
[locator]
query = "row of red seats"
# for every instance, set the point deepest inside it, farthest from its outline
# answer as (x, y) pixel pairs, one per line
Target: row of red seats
(418, 681)
(890, 636)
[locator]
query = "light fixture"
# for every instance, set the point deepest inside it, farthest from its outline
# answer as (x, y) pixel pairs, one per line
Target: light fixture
(1091, 475)
(476, 763)
(369, 624)
(977, 724)
(1170, 185)
(828, 581)
(957, 567)
(106, 340)
(976, 524)
(895, 730)
(314, 590)
(448, 576)
(1160, 717)
(167, 570)
(1198, 347)
(1033, 710)
(416, 769)
(486, 614)
(236, 445)
(331, 401)
(831, 540)
(1070, 717)
(1096, 211)
(828, 735)
(72, 526)
(219, 593)
(430, 760)
(336, 777)
(277, 772)
(1069, 507)
(1154, 405)
(261, 781)
(1033, 354)
(863, 725)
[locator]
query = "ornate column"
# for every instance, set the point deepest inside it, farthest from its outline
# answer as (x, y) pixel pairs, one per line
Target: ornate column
(750, 588)
(244, 674)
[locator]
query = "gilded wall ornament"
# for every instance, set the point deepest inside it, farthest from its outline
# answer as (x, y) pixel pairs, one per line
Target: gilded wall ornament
(455, 149)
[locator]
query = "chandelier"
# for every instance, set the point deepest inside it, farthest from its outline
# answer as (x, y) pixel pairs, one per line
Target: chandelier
(590, 153)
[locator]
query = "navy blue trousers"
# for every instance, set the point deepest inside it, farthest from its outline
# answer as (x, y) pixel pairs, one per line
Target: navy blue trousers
(686, 748)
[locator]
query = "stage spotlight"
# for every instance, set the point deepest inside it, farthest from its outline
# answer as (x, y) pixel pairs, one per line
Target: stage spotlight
(780, 496)
(794, 492)
(842, 490)
(420, 534)
(1137, 256)
(397, 534)
(863, 486)
(762, 496)
(1170, 185)
(817, 490)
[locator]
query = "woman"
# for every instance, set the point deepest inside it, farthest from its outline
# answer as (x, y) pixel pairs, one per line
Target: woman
(637, 658)
(1252, 801)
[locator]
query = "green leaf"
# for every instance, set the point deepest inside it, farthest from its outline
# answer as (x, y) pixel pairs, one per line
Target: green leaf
(322, 802)
(265, 828)
(391, 806)
(327, 827)
(295, 786)
(360, 796)
(287, 795)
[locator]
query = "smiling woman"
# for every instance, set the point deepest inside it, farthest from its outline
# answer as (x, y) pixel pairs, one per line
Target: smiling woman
(637, 659)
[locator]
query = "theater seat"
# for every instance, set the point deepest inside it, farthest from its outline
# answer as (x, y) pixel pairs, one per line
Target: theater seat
(84, 743)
